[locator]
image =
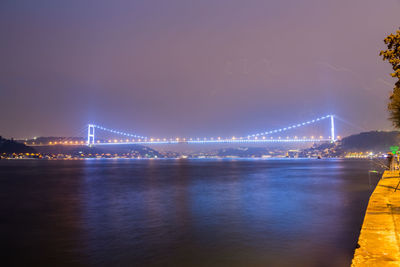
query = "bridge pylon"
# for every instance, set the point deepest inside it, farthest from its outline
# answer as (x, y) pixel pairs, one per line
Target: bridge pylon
(333, 128)
(90, 140)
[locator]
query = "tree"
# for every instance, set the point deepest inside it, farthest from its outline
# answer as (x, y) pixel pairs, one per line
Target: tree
(392, 55)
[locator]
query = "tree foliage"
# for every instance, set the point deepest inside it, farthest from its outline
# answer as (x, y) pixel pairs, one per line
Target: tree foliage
(392, 55)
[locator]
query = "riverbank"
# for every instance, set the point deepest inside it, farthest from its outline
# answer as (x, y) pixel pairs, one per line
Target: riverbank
(380, 233)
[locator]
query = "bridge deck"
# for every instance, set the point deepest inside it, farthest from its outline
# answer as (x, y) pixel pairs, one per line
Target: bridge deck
(244, 141)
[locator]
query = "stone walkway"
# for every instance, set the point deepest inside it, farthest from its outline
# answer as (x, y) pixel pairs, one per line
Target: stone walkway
(379, 239)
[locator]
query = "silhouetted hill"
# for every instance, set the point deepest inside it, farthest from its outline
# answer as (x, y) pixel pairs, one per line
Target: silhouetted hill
(136, 150)
(10, 146)
(377, 141)
(373, 141)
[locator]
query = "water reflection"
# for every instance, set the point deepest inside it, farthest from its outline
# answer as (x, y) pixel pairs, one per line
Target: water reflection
(183, 212)
(223, 212)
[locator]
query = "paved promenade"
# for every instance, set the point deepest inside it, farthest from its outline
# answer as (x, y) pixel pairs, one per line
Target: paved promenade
(379, 239)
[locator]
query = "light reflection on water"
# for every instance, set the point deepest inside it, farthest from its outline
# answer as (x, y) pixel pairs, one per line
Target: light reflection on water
(184, 212)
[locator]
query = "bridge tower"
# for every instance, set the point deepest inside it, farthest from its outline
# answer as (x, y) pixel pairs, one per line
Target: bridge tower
(333, 128)
(90, 140)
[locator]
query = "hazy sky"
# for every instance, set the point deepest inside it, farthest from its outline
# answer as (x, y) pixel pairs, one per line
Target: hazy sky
(184, 68)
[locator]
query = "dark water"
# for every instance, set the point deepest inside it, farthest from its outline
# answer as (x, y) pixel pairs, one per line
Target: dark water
(182, 212)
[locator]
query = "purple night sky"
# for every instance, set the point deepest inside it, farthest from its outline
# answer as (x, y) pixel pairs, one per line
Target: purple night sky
(185, 68)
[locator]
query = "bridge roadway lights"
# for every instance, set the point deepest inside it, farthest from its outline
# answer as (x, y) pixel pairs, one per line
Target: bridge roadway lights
(215, 142)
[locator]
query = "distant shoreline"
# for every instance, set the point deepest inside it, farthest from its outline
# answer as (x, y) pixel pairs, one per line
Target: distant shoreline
(189, 158)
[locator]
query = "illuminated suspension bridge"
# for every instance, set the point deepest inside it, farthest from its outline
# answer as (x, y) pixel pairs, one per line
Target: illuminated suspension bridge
(262, 137)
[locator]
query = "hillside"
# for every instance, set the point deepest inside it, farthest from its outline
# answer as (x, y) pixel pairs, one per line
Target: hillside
(10, 147)
(377, 141)
(133, 150)
(373, 141)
